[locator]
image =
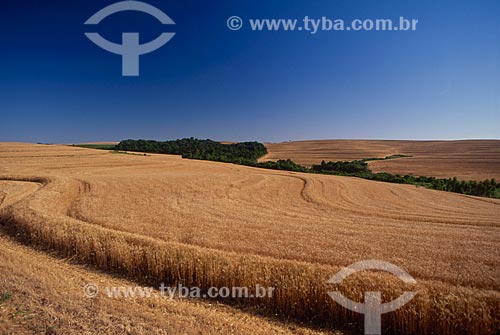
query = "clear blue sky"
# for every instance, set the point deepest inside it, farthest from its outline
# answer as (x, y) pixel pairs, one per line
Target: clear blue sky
(440, 82)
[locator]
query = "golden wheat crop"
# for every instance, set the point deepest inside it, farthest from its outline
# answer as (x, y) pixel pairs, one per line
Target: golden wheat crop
(467, 160)
(164, 219)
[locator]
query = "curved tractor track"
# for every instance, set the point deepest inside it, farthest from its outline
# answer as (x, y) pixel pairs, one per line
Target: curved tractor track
(42, 295)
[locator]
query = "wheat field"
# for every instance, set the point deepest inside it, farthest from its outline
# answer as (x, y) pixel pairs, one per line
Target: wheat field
(160, 218)
(466, 159)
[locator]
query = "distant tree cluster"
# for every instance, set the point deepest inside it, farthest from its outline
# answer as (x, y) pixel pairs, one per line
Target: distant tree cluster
(239, 153)
(342, 167)
(486, 188)
(281, 164)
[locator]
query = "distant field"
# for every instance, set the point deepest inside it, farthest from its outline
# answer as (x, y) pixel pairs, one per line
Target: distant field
(468, 160)
(162, 218)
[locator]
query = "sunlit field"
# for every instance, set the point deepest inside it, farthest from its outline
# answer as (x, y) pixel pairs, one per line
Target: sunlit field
(161, 218)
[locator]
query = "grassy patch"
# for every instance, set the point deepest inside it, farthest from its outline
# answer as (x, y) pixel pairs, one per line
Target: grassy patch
(127, 153)
(95, 146)
(5, 297)
(385, 158)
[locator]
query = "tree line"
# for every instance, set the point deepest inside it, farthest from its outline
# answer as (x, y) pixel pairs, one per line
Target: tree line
(486, 188)
(192, 148)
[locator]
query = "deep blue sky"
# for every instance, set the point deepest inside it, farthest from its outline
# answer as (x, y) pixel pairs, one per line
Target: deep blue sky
(440, 82)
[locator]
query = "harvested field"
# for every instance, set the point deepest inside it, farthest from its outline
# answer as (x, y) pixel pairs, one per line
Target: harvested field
(46, 298)
(162, 218)
(467, 160)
